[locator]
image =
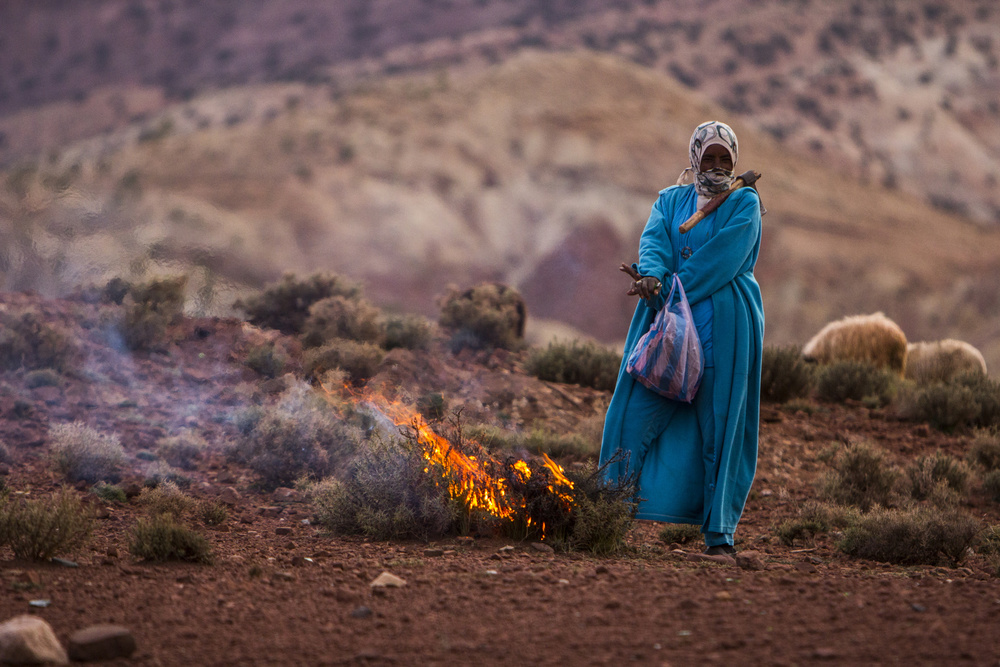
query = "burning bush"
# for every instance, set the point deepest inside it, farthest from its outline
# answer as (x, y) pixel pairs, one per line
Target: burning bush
(911, 537)
(490, 315)
(587, 364)
(341, 317)
(27, 341)
(161, 538)
(297, 436)
(784, 374)
(154, 305)
(41, 529)
(285, 305)
(84, 454)
(359, 360)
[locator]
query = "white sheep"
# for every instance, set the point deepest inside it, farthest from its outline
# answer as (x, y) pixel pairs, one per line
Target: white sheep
(942, 360)
(871, 338)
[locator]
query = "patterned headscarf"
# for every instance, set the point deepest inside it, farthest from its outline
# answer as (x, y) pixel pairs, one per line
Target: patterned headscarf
(714, 181)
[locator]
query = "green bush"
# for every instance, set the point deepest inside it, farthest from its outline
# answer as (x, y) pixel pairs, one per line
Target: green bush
(266, 360)
(969, 401)
(359, 360)
(161, 538)
(861, 478)
(432, 405)
(153, 306)
(386, 494)
(986, 393)
(161, 472)
(166, 498)
(111, 493)
(680, 533)
(298, 436)
(43, 377)
(341, 317)
(40, 529)
(183, 450)
(813, 519)
(407, 331)
(83, 454)
(487, 316)
(855, 380)
(584, 363)
(212, 512)
(27, 341)
(912, 537)
(784, 374)
(602, 513)
(928, 474)
(985, 449)
(285, 305)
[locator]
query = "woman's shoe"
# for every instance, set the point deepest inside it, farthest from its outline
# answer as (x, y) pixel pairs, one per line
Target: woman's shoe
(721, 550)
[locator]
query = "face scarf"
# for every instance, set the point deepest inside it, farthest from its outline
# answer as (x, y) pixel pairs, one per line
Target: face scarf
(714, 181)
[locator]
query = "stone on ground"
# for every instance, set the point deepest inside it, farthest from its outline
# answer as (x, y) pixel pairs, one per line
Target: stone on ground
(101, 642)
(29, 640)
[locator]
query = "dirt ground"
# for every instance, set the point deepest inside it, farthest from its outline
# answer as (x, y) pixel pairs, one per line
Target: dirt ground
(283, 592)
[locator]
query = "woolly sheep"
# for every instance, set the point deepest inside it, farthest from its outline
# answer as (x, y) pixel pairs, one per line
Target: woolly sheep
(873, 338)
(940, 361)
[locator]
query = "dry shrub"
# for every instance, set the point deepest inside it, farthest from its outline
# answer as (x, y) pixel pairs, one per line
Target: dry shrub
(212, 512)
(359, 360)
(583, 363)
(161, 472)
(151, 308)
(487, 316)
(297, 436)
(919, 536)
(83, 454)
(183, 450)
(991, 485)
(110, 493)
(814, 519)
(342, 317)
(861, 478)
(855, 380)
(407, 331)
(575, 446)
(266, 360)
(970, 401)
(386, 493)
(603, 512)
(167, 498)
(432, 405)
(5, 453)
(784, 374)
(680, 533)
(40, 529)
(43, 377)
(27, 341)
(161, 538)
(940, 477)
(985, 449)
(285, 304)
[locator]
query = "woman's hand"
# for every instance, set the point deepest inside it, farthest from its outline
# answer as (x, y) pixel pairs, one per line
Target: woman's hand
(645, 287)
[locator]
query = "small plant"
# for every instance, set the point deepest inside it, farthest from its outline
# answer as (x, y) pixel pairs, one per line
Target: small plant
(408, 331)
(5, 456)
(576, 446)
(991, 485)
(360, 360)
(213, 513)
(680, 533)
(937, 475)
(167, 498)
(83, 454)
(861, 478)
(583, 363)
(985, 449)
(110, 493)
(432, 405)
(285, 305)
(603, 512)
(161, 472)
(855, 380)
(27, 341)
(43, 377)
(161, 538)
(40, 529)
(784, 374)
(912, 537)
(945, 406)
(154, 306)
(487, 316)
(266, 360)
(341, 317)
(182, 450)
(814, 519)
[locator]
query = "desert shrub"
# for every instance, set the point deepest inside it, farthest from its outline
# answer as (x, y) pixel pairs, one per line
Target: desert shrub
(285, 304)
(115, 290)
(991, 485)
(43, 377)
(487, 316)
(111, 493)
(341, 317)
(986, 393)
(360, 360)
(43, 528)
(936, 476)
(27, 341)
(813, 519)
(784, 374)
(855, 380)
(166, 498)
(407, 331)
(299, 435)
(680, 533)
(985, 449)
(911, 537)
(861, 478)
(575, 446)
(945, 406)
(5, 456)
(583, 363)
(266, 360)
(83, 454)
(385, 494)
(152, 307)
(989, 541)
(161, 538)
(493, 438)
(432, 405)
(212, 512)
(182, 450)
(603, 512)
(161, 472)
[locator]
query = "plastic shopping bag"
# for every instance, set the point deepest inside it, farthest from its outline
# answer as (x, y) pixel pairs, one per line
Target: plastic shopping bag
(668, 358)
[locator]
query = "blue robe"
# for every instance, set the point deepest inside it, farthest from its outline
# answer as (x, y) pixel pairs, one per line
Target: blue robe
(696, 462)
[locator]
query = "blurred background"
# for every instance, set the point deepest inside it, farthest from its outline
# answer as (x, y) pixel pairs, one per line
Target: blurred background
(415, 144)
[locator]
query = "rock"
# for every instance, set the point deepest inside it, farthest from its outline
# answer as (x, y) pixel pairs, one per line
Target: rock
(29, 640)
(283, 530)
(285, 495)
(803, 566)
(225, 477)
(544, 548)
(230, 496)
(387, 580)
(270, 512)
(433, 553)
(361, 612)
(101, 642)
(750, 560)
(723, 596)
(720, 559)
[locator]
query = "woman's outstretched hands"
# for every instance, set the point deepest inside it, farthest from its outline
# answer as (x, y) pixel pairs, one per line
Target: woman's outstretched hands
(644, 286)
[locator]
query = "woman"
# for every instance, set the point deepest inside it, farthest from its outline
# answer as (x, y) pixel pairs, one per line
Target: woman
(695, 462)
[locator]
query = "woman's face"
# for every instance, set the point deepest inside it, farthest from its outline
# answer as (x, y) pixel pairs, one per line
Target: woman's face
(716, 156)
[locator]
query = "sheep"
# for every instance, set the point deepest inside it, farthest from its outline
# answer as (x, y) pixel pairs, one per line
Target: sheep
(941, 361)
(872, 338)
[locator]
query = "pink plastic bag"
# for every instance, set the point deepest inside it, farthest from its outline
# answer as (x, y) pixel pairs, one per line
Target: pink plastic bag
(668, 358)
